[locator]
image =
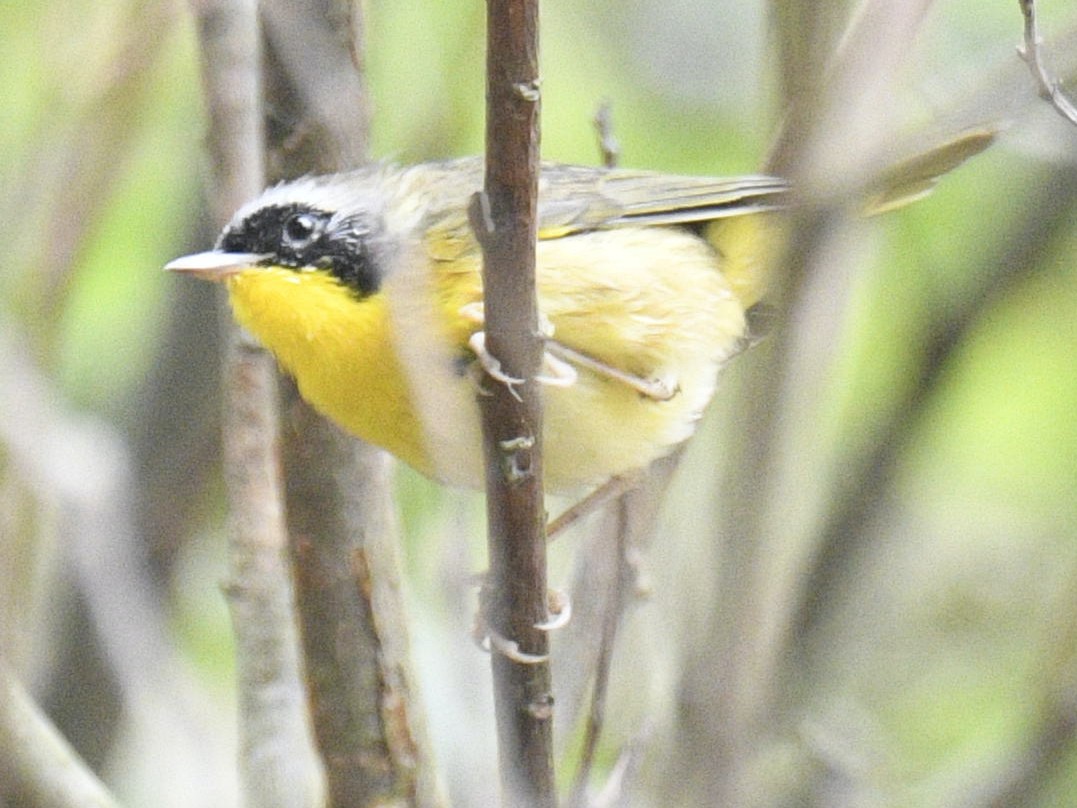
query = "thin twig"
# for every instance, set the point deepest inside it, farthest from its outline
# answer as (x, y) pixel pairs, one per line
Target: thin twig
(1032, 54)
(607, 139)
(611, 620)
(614, 488)
(610, 549)
(277, 764)
(504, 219)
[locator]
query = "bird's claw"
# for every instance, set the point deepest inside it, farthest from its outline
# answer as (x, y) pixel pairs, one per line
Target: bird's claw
(558, 611)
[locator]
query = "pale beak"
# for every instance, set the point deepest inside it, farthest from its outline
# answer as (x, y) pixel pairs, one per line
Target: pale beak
(214, 265)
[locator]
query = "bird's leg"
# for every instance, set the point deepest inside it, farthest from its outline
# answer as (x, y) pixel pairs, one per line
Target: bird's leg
(656, 389)
(558, 605)
(559, 362)
(610, 490)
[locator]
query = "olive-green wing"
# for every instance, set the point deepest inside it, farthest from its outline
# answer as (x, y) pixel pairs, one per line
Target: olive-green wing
(574, 199)
(577, 198)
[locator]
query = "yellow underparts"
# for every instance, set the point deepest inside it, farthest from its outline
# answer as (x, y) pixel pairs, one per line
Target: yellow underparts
(338, 349)
(647, 302)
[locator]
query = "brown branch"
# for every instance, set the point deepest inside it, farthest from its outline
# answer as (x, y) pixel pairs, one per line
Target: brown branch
(368, 723)
(504, 218)
(276, 760)
(1032, 54)
(369, 727)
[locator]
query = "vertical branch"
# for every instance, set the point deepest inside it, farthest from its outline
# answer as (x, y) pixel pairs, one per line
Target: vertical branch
(363, 702)
(613, 605)
(831, 123)
(367, 721)
(276, 765)
(504, 217)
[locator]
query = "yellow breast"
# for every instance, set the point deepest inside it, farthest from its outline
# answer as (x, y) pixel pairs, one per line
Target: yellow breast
(339, 350)
(390, 368)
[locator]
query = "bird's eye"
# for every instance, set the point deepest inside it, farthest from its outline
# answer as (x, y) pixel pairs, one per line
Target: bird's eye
(300, 229)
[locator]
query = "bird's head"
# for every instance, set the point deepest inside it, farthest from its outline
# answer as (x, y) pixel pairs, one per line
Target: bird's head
(331, 226)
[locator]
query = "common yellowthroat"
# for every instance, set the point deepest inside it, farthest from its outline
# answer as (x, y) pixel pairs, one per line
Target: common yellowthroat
(367, 288)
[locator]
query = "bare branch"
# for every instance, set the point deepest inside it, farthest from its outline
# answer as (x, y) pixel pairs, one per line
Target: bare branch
(364, 705)
(613, 607)
(39, 767)
(276, 759)
(368, 725)
(1032, 54)
(503, 216)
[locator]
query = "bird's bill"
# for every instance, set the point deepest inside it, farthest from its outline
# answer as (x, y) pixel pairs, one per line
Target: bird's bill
(214, 265)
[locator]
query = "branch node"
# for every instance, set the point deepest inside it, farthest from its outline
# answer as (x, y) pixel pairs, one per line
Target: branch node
(541, 709)
(480, 216)
(516, 459)
(528, 90)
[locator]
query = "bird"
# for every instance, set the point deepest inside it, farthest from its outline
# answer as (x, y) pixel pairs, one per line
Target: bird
(366, 286)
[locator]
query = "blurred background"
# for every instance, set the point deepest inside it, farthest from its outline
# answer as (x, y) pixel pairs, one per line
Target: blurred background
(911, 596)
